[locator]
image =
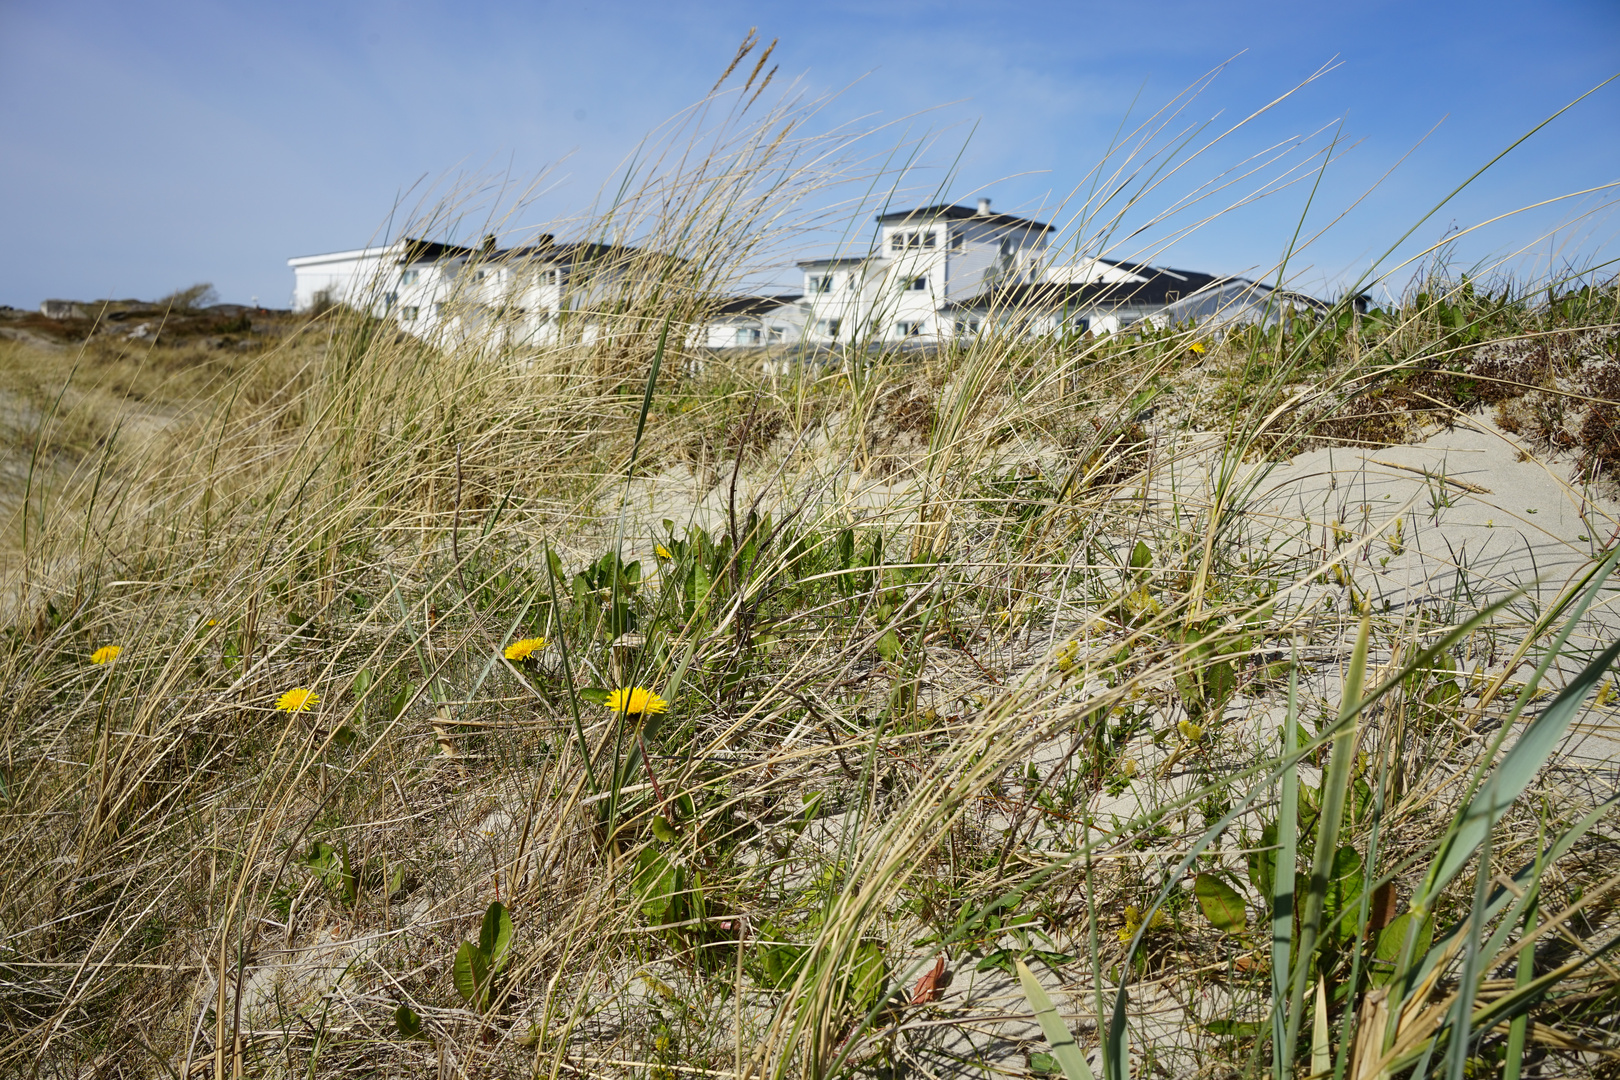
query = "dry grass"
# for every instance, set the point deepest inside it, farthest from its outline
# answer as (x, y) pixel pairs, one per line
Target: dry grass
(972, 653)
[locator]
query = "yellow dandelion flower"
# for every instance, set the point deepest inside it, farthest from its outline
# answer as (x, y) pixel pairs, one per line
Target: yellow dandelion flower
(1127, 768)
(1189, 730)
(663, 552)
(1198, 348)
(106, 654)
(522, 650)
(297, 699)
(636, 701)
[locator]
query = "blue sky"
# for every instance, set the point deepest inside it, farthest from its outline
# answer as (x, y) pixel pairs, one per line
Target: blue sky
(148, 146)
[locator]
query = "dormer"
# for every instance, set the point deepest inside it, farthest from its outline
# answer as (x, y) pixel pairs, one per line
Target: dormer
(952, 228)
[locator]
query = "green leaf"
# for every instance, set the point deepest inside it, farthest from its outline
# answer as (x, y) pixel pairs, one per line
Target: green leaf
(1391, 944)
(869, 973)
(1221, 904)
(595, 695)
(362, 682)
(1064, 1049)
(471, 974)
(657, 882)
(401, 699)
(888, 646)
(406, 1022)
(662, 829)
(1141, 556)
(495, 935)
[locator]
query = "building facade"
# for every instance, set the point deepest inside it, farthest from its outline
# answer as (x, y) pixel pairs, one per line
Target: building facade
(933, 274)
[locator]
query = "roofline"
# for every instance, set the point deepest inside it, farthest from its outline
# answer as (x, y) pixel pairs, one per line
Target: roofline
(845, 260)
(953, 212)
(338, 256)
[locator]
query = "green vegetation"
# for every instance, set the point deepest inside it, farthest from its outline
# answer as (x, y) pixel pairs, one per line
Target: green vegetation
(993, 654)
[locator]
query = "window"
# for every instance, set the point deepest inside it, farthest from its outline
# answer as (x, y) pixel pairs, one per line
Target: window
(818, 283)
(918, 284)
(548, 277)
(967, 326)
(907, 329)
(478, 275)
(828, 327)
(408, 313)
(911, 240)
(747, 336)
(1008, 246)
(438, 309)
(389, 300)
(957, 239)
(409, 277)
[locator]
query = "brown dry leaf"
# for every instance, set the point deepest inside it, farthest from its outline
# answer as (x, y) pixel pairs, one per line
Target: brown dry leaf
(1381, 912)
(931, 986)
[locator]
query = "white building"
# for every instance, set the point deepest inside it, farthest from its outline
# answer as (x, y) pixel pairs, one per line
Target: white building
(539, 292)
(923, 260)
(933, 274)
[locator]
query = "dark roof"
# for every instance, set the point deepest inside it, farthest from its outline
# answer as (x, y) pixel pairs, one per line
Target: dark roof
(1154, 292)
(752, 305)
(952, 212)
(431, 251)
(542, 247)
(844, 261)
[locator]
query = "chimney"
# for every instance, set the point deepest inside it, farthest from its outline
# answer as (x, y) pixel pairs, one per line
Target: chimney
(984, 208)
(489, 244)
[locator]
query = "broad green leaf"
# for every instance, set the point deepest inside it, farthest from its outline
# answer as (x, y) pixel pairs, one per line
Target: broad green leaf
(362, 682)
(1221, 904)
(406, 1022)
(657, 881)
(1141, 556)
(888, 646)
(1042, 1063)
(870, 973)
(1392, 944)
(495, 934)
(1065, 1051)
(401, 699)
(595, 695)
(471, 973)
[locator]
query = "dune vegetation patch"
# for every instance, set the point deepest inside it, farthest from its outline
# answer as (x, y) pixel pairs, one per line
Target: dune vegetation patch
(1149, 703)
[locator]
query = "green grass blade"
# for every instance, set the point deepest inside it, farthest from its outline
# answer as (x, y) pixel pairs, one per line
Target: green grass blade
(1335, 788)
(1321, 1048)
(1282, 886)
(1065, 1051)
(1518, 767)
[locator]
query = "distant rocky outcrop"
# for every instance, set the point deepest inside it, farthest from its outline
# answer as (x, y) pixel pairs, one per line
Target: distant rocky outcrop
(171, 321)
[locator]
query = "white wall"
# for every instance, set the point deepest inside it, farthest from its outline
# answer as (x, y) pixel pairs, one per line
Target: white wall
(349, 276)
